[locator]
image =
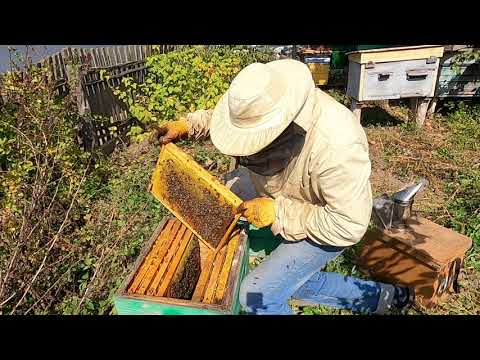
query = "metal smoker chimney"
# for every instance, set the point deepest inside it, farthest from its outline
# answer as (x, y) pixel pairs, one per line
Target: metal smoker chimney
(403, 201)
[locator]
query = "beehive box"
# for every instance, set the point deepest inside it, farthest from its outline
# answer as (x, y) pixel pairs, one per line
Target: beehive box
(320, 69)
(463, 82)
(427, 257)
(318, 61)
(176, 274)
(393, 73)
(195, 197)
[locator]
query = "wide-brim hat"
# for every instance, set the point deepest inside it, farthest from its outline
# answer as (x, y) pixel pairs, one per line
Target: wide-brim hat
(261, 102)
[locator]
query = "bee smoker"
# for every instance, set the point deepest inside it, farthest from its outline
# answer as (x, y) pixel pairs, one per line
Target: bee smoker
(393, 212)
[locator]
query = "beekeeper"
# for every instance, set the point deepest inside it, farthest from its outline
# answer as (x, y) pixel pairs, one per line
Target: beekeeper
(305, 174)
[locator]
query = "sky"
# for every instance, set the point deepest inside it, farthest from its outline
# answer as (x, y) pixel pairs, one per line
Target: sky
(38, 52)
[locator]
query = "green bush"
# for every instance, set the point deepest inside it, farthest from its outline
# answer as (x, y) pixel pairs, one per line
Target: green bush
(469, 55)
(42, 190)
(185, 80)
(36, 133)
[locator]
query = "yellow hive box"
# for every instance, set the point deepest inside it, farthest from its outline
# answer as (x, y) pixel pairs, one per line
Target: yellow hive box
(319, 72)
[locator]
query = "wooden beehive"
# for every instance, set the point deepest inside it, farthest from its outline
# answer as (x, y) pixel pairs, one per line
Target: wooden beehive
(195, 197)
(178, 274)
(461, 83)
(318, 61)
(393, 73)
(320, 70)
(427, 257)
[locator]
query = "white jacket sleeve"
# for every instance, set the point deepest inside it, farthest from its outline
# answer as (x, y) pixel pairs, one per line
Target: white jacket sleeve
(341, 178)
(199, 123)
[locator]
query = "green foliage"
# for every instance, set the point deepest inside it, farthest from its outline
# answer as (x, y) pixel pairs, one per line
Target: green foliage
(185, 80)
(469, 55)
(340, 96)
(464, 209)
(36, 129)
(464, 206)
(408, 126)
(323, 310)
(117, 226)
(136, 134)
(464, 123)
(42, 175)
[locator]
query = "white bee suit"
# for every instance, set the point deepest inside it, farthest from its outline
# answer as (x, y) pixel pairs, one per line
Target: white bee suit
(324, 193)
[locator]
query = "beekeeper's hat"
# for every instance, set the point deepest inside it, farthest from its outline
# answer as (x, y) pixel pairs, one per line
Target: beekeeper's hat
(261, 102)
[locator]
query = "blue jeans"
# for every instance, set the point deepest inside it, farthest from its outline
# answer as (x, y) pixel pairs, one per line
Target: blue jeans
(294, 271)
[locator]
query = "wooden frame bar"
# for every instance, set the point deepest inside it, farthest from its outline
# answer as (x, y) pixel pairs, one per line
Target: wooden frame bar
(214, 275)
(145, 264)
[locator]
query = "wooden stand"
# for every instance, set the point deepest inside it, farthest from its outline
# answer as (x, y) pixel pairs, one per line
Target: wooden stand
(432, 106)
(419, 107)
(356, 108)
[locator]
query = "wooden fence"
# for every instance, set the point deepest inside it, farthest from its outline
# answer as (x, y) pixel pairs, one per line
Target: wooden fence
(97, 97)
(118, 61)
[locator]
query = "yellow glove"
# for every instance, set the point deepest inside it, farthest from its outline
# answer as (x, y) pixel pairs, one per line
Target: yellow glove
(171, 131)
(259, 211)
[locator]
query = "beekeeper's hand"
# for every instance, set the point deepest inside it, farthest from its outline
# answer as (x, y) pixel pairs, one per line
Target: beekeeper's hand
(171, 131)
(259, 211)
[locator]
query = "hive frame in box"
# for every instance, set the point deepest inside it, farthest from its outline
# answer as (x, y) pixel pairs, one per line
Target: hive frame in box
(150, 305)
(171, 151)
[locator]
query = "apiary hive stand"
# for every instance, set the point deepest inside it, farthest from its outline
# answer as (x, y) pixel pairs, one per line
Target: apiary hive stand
(394, 73)
(195, 197)
(208, 280)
